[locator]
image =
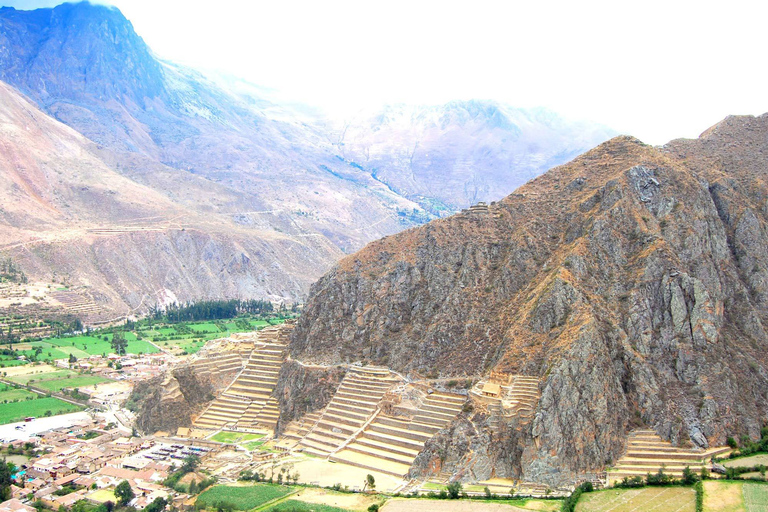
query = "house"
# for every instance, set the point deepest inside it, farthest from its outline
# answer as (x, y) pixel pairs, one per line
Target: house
(14, 505)
(492, 390)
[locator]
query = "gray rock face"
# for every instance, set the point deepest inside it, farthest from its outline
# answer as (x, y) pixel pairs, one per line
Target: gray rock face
(303, 389)
(632, 281)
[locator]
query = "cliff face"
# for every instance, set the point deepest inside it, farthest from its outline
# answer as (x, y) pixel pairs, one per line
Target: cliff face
(169, 402)
(303, 389)
(632, 281)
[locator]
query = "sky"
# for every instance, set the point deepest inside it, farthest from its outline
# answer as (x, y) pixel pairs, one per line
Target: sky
(655, 70)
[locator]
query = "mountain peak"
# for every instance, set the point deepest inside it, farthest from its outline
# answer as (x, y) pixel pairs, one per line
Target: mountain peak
(78, 51)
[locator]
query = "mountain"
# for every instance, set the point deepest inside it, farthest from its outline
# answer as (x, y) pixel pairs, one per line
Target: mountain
(68, 217)
(448, 157)
(85, 65)
(632, 281)
(242, 171)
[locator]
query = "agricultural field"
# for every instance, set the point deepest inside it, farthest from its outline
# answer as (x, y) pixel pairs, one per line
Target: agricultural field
(658, 499)
(735, 496)
(10, 394)
(243, 497)
(57, 380)
(755, 497)
(300, 506)
(427, 505)
(38, 407)
(751, 461)
(79, 381)
(318, 499)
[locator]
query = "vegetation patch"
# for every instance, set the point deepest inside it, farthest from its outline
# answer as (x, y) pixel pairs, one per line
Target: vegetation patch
(70, 382)
(300, 506)
(234, 437)
(755, 497)
(241, 497)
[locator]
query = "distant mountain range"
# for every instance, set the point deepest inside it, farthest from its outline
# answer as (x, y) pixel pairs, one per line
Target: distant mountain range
(211, 153)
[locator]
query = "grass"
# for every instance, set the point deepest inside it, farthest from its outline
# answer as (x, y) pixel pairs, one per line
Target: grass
(84, 346)
(58, 380)
(658, 499)
(36, 377)
(234, 437)
(17, 411)
(300, 506)
(755, 497)
(243, 497)
(9, 394)
(79, 381)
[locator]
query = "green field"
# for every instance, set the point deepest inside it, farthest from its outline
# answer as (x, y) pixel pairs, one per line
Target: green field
(17, 411)
(301, 506)
(84, 346)
(234, 437)
(36, 377)
(58, 380)
(9, 394)
(755, 497)
(658, 499)
(79, 381)
(242, 497)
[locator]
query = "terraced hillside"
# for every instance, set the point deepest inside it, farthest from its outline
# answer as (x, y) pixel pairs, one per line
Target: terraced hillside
(246, 403)
(648, 453)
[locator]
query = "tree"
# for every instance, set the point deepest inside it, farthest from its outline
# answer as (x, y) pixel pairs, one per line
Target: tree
(454, 490)
(158, 505)
(119, 343)
(6, 480)
(370, 482)
(72, 359)
(124, 492)
(190, 463)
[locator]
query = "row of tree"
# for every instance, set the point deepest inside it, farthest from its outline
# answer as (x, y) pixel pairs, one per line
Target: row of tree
(211, 310)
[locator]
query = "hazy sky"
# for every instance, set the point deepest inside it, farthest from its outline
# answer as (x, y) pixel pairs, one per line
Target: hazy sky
(657, 70)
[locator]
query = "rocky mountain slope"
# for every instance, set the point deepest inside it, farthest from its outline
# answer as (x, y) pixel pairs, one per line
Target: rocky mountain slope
(448, 157)
(631, 281)
(67, 216)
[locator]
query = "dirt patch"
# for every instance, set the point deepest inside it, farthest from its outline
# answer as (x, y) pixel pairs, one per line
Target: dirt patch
(356, 502)
(324, 473)
(723, 497)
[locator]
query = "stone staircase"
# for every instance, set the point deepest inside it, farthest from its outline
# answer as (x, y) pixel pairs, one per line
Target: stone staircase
(297, 429)
(389, 445)
(247, 402)
(218, 364)
(647, 453)
(350, 409)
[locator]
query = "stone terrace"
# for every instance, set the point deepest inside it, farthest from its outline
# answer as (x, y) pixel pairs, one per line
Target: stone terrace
(647, 453)
(390, 444)
(246, 403)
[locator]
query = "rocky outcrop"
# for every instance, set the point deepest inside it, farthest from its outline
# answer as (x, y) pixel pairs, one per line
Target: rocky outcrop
(302, 389)
(171, 401)
(632, 281)
(470, 450)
